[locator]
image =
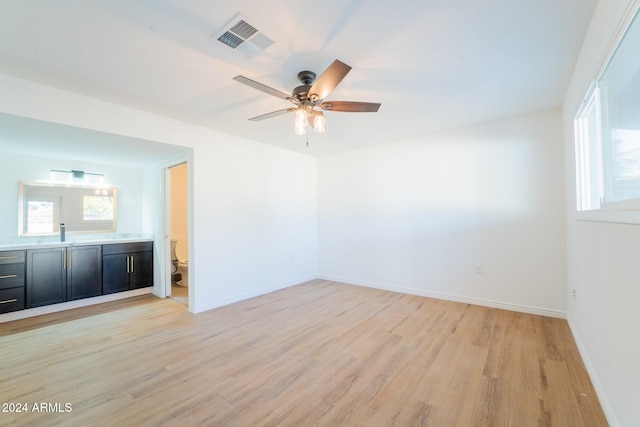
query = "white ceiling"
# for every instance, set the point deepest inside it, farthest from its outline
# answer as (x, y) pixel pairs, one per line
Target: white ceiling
(433, 64)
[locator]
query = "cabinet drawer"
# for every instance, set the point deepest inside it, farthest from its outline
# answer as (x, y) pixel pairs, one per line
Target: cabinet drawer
(11, 275)
(11, 300)
(126, 248)
(11, 257)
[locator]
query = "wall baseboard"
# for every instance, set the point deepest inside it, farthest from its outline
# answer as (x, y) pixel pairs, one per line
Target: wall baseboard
(54, 308)
(239, 297)
(595, 380)
(451, 297)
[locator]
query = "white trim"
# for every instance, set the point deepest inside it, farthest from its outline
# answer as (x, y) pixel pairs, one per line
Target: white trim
(165, 260)
(247, 295)
(85, 302)
(452, 297)
(183, 158)
(597, 385)
(632, 9)
(604, 215)
(622, 205)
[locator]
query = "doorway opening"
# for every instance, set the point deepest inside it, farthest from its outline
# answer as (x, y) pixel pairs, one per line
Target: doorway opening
(177, 232)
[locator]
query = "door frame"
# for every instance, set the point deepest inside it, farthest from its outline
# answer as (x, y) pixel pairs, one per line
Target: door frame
(166, 237)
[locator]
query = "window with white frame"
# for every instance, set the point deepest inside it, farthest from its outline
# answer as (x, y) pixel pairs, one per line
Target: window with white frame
(607, 131)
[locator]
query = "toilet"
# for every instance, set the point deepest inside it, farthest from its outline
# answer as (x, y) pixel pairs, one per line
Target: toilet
(182, 252)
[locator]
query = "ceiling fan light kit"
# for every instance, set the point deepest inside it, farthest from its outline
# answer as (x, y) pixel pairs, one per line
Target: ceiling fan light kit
(300, 122)
(319, 122)
(309, 98)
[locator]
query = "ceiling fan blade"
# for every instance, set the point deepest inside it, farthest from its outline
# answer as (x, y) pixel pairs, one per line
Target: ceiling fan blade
(272, 114)
(328, 80)
(350, 106)
(263, 88)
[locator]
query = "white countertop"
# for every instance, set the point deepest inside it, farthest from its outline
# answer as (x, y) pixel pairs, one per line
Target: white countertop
(75, 241)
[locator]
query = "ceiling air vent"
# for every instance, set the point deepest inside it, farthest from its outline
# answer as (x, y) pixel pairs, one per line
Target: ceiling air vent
(242, 37)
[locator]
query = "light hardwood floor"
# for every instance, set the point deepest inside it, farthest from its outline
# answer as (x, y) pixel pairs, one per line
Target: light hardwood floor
(180, 294)
(317, 354)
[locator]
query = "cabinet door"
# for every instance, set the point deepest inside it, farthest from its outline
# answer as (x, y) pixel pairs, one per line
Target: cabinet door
(84, 272)
(11, 300)
(46, 276)
(12, 279)
(141, 271)
(115, 273)
(11, 276)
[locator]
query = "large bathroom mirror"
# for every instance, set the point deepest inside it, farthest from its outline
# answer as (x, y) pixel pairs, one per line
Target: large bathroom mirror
(83, 209)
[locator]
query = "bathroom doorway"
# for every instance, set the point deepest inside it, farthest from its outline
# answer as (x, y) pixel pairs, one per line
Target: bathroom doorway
(178, 231)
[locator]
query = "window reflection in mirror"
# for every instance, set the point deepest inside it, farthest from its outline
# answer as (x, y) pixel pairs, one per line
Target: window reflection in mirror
(83, 209)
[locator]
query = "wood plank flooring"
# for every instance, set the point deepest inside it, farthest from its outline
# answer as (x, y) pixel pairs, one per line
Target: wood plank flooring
(317, 354)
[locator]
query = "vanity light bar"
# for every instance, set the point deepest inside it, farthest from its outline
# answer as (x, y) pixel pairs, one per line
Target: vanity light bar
(76, 175)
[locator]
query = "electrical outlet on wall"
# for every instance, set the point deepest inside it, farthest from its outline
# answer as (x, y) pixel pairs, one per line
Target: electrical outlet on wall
(573, 294)
(479, 269)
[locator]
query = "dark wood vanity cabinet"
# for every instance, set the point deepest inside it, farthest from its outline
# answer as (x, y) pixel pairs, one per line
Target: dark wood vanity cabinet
(63, 274)
(12, 280)
(50, 275)
(127, 266)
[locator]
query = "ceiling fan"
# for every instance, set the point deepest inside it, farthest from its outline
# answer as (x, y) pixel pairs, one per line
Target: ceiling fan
(309, 98)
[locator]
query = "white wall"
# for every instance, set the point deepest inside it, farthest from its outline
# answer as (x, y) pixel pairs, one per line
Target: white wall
(31, 168)
(420, 216)
(253, 216)
(257, 207)
(603, 258)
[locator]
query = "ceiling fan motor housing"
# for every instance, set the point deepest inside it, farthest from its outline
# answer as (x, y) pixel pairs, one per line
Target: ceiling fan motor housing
(306, 77)
(301, 93)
